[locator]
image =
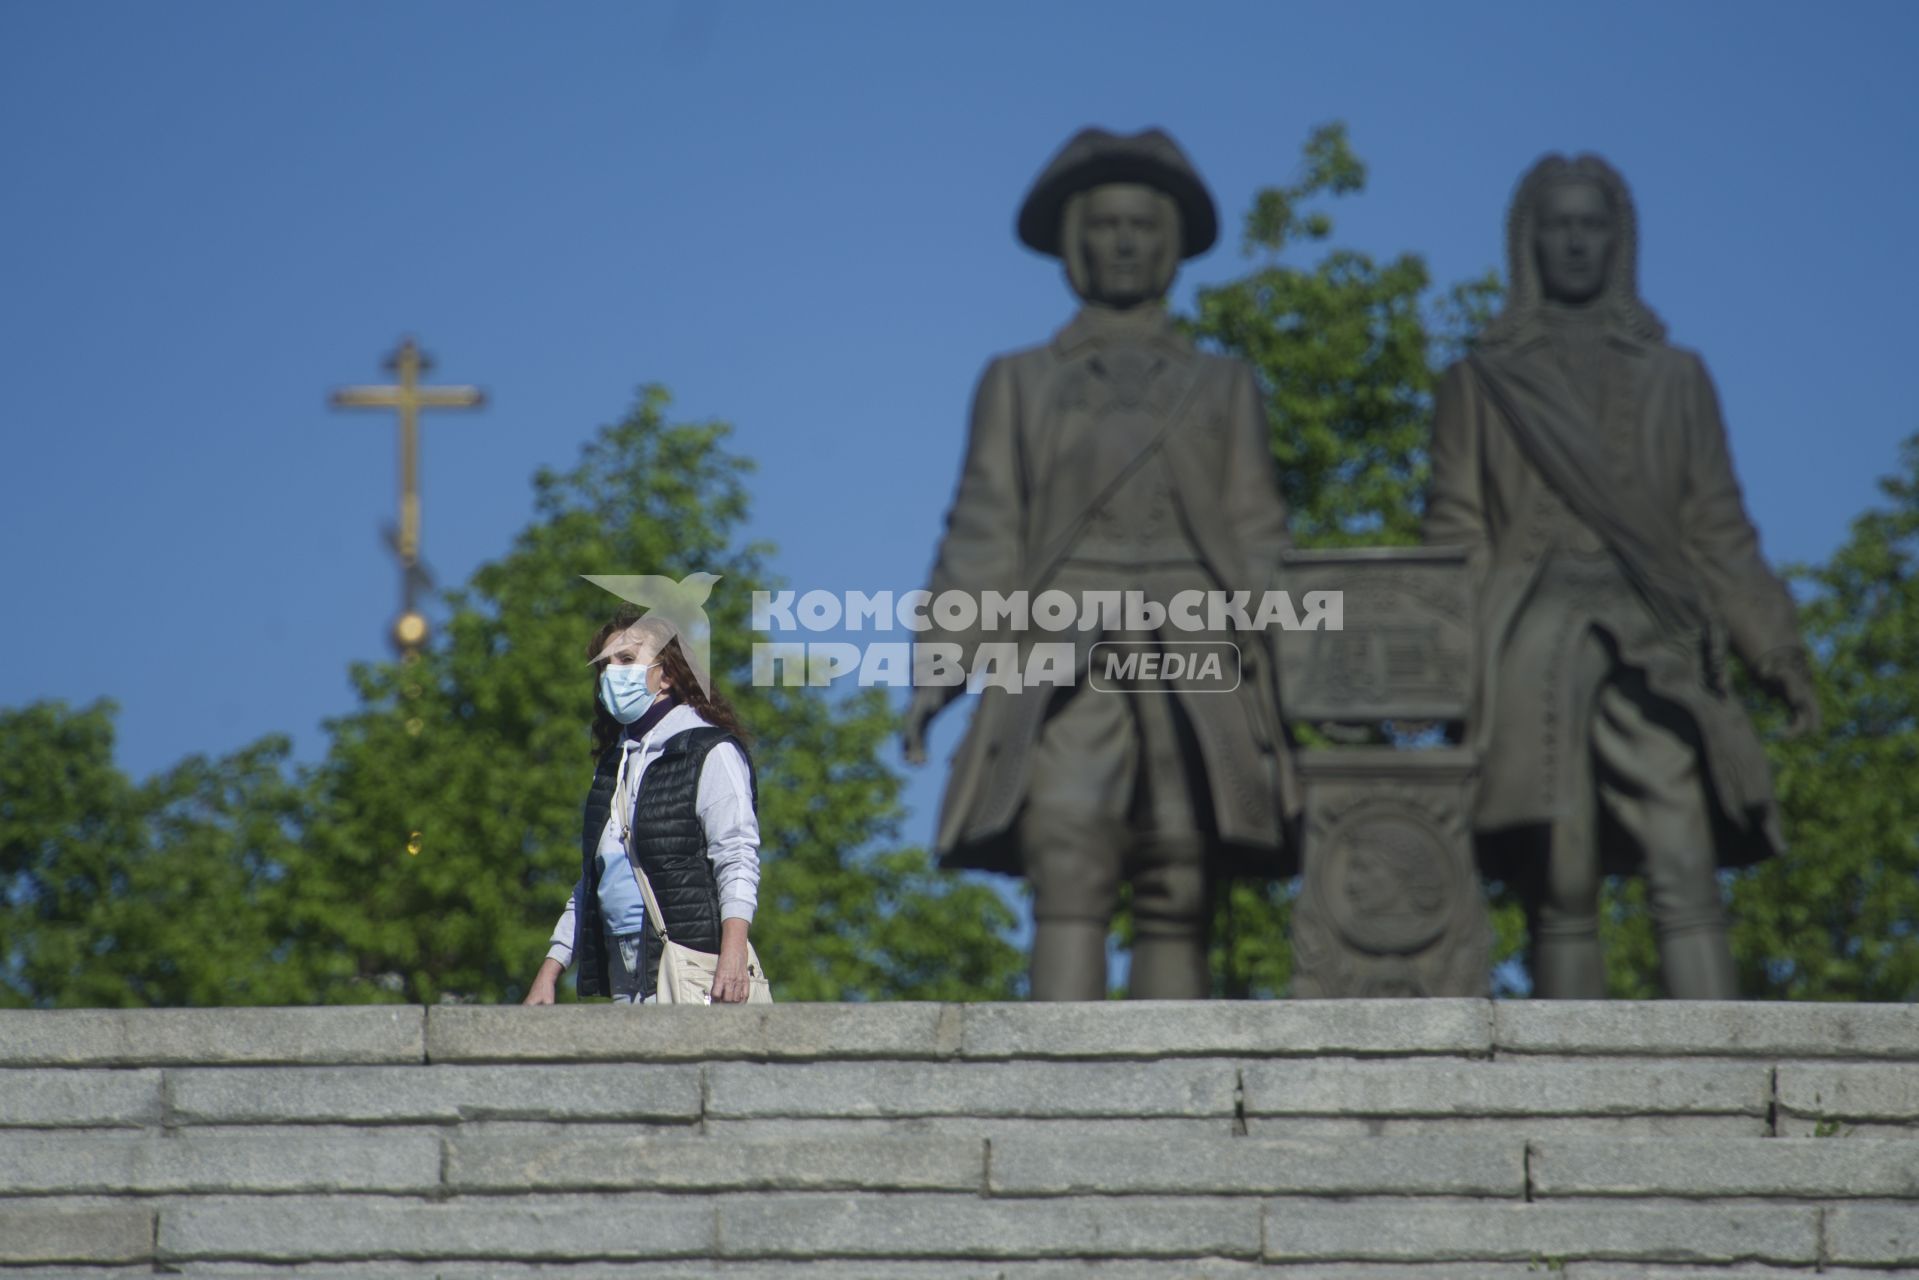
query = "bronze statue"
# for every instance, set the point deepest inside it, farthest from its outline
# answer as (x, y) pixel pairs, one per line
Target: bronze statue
(1116, 458)
(1583, 462)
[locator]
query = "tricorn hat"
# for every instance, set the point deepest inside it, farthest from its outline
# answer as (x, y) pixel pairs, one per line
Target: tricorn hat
(1096, 156)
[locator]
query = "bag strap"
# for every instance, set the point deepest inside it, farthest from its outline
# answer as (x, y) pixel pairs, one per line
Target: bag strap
(622, 803)
(653, 912)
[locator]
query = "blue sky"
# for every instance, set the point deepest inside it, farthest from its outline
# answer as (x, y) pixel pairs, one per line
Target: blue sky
(799, 219)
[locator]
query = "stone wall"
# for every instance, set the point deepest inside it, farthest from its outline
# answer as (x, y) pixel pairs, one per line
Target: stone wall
(1326, 1140)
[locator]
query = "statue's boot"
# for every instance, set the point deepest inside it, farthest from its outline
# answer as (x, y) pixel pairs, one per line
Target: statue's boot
(1171, 903)
(1072, 861)
(1695, 957)
(1566, 960)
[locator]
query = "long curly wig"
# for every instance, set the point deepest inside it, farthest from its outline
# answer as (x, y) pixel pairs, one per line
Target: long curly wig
(1524, 294)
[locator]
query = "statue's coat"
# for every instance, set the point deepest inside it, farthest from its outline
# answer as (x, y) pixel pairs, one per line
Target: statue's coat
(1673, 515)
(1032, 476)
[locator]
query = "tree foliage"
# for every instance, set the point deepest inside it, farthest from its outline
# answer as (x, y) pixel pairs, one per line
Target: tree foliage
(116, 894)
(1837, 916)
(1348, 350)
(428, 854)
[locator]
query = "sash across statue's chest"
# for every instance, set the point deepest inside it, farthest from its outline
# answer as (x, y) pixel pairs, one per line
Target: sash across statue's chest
(1110, 408)
(1602, 397)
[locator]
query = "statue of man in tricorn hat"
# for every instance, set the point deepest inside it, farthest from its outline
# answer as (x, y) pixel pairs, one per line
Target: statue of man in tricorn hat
(1116, 458)
(1583, 462)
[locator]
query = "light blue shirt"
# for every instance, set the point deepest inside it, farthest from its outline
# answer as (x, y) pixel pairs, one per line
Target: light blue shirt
(621, 904)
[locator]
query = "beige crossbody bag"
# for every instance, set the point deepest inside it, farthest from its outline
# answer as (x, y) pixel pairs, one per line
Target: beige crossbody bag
(686, 975)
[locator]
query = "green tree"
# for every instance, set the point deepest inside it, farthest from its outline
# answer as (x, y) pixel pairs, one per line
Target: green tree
(1837, 916)
(1348, 350)
(116, 894)
(445, 834)
(428, 853)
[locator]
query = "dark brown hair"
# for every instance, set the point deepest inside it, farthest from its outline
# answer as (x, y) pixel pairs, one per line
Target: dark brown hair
(676, 670)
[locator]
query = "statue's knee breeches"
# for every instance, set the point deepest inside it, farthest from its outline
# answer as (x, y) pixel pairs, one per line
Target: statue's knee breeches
(1072, 860)
(1682, 889)
(1171, 894)
(1653, 783)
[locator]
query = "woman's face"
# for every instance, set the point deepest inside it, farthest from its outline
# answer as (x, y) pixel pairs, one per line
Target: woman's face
(639, 653)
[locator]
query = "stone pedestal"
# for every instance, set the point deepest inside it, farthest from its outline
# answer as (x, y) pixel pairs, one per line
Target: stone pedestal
(1391, 904)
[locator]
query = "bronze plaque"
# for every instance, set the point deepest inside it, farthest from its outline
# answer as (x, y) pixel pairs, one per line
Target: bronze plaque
(1405, 644)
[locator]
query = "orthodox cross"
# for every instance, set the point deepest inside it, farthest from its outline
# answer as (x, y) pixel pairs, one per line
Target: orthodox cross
(408, 362)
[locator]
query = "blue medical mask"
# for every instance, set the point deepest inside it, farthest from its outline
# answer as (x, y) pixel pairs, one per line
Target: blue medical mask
(624, 693)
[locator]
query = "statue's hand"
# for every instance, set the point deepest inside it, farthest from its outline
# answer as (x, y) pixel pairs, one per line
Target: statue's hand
(1787, 675)
(926, 704)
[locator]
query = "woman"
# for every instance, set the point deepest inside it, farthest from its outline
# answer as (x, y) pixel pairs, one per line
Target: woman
(692, 827)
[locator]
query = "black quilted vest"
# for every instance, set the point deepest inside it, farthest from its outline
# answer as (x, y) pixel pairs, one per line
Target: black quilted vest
(671, 848)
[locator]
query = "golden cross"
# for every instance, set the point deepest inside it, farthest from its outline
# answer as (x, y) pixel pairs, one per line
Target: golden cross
(409, 397)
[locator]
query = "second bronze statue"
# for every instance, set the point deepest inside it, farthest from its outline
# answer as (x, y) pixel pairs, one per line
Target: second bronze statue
(1582, 462)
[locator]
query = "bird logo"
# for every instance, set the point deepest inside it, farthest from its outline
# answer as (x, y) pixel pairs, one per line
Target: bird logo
(681, 603)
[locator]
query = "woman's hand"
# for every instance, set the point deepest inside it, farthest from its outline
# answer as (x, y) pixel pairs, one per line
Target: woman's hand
(546, 983)
(730, 983)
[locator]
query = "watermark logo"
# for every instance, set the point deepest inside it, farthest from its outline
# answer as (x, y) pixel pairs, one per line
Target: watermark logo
(1150, 666)
(1115, 640)
(681, 604)
(1018, 641)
